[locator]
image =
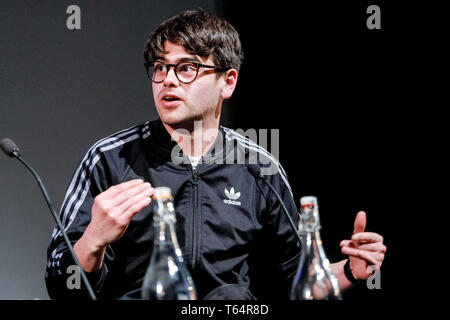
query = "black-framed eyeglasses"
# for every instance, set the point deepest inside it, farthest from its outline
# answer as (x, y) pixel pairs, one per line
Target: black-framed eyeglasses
(186, 72)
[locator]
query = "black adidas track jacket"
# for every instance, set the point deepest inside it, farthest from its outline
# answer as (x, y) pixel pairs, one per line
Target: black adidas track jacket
(235, 239)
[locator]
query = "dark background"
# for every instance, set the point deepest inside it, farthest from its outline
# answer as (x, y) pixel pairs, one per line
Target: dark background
(333, 88)
(329, 84)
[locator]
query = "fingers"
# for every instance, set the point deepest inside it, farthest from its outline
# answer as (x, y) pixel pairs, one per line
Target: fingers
(365, 240)
(360, 222)
(367, 237)
(374, 247)
(114, 208)
(135, 208)
(345, 243)
(369, 247)
(115, 190)
(363, 246)
(127, 193)
(371, 257)
(135, 198)
(363, 237)
(118, 199)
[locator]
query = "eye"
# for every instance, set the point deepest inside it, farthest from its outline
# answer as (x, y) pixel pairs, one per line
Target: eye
(187, 67)
(159, 66)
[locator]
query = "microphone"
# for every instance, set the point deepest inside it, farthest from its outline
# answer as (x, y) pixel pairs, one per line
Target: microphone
(9, 147)
(255, 170)
(11, 150)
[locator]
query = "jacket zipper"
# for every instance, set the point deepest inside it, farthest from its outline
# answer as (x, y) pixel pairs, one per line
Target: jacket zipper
(195, 183)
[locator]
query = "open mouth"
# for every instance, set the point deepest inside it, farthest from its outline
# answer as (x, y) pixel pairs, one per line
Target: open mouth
(171, 98)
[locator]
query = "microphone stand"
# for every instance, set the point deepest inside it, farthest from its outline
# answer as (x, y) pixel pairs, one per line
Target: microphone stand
(58, 222)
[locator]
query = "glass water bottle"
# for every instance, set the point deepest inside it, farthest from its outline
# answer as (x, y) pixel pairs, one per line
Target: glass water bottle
(167, 277)
(314, 280)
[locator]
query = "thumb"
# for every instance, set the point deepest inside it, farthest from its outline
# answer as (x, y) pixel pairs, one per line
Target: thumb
(360, 222)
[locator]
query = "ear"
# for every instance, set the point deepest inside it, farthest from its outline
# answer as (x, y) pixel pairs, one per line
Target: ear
(230, 80)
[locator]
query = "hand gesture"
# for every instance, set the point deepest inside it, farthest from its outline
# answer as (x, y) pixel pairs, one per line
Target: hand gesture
(113, 210)
(364, 249)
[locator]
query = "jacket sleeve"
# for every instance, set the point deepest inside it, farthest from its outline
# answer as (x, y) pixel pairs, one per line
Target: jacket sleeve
(62, 280)
(283, 254)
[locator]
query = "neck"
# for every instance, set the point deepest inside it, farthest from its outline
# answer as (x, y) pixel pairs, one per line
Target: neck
(195, 137)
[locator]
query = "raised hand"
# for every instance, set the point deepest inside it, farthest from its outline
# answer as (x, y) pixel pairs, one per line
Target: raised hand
(364, 249)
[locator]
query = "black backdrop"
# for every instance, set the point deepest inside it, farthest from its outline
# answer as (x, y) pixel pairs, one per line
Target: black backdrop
(330, 85)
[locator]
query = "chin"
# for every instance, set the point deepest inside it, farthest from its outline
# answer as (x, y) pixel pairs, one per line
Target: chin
(175, 121)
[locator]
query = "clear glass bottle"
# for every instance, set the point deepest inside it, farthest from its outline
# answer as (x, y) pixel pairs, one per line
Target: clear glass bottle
(167, 277)
(314, 280)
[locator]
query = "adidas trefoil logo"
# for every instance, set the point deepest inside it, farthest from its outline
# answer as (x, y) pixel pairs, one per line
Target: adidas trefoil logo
(232, 196)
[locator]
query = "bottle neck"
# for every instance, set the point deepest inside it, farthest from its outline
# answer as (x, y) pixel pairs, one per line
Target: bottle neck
(312, 241)
(309, 221)
(164, 229)
(310, 230)
(164, 222)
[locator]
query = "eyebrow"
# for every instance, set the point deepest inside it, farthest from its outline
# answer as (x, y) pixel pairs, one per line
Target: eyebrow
(182, 59)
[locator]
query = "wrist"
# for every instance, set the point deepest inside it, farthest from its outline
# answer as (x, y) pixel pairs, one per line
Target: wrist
(91, 242)
(349, 275)
(90, 254)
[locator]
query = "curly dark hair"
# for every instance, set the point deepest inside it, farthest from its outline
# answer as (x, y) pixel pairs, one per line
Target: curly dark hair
(199, 33)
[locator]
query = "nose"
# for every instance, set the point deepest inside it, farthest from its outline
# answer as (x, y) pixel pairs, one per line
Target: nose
(171, 79)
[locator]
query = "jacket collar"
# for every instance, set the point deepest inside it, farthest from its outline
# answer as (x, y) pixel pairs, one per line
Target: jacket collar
(165, 144)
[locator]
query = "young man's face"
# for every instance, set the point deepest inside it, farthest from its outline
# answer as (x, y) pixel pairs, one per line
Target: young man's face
(198, 100)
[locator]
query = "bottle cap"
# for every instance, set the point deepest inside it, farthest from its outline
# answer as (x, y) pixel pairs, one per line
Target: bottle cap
(162, 193)
(308, 201)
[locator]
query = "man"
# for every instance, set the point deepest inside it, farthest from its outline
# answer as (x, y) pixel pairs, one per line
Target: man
(234, 249)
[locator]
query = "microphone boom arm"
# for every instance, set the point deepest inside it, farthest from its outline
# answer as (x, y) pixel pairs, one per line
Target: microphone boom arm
(16, 154)
(286, 212)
